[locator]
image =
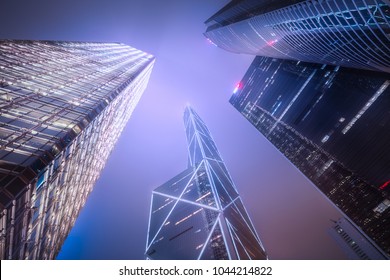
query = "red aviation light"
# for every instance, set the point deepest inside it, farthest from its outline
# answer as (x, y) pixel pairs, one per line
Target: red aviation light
(271, 43)
(385, 185)
(238, 86)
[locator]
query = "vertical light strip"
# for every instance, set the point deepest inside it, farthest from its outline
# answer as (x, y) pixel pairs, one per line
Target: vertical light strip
(297, 95)
(293, 100)
(366, 106)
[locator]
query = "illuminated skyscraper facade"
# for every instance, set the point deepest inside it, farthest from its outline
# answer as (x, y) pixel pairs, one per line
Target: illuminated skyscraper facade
(63, 106)
(350, 33)
(333, 124)
(198, 214)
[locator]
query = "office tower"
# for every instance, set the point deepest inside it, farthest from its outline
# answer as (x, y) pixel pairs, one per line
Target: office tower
(353, 243)
(346, 33)
(333, 124)
(63, 106)
(198, 214)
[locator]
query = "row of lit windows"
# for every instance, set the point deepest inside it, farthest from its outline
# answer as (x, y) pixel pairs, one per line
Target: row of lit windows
(62, 189)
(77, 186)
(356, 198)
(45, 107)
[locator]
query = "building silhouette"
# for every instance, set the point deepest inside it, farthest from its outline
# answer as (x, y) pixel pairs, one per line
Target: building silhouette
(199, 214)
(333, 124)
(346, 33)
(354, 244)
(63, 106)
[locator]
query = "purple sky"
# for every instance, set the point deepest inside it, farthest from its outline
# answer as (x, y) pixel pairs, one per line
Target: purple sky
(291, 216)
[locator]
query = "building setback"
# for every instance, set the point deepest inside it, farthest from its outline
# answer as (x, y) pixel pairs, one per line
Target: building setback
(347, 33)
(63, 106)
(353, 243)
(198, 214)
(333, 124)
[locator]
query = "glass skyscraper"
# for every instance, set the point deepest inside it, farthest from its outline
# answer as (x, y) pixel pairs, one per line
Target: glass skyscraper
(63, 106)
(198, 214)
(333, 124)
(351, 33)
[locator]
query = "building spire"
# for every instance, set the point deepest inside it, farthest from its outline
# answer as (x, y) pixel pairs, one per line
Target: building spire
(198, 214)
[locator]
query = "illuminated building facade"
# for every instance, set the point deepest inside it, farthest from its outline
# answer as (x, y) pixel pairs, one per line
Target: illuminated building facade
(63, 106)
(353, 243)
(347, 33)
(198, 214)
(333, 124)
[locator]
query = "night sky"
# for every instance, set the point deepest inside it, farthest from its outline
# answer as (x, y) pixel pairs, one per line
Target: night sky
(290, 215)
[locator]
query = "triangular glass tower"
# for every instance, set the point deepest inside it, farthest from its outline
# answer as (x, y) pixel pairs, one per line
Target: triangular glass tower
(198, 214)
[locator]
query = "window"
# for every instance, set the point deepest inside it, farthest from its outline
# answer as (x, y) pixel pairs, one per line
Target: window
(41, 179)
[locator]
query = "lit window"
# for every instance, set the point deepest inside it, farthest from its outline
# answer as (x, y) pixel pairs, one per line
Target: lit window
(41, 180)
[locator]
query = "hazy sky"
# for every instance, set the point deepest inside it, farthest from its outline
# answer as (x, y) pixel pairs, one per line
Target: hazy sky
(290, 215)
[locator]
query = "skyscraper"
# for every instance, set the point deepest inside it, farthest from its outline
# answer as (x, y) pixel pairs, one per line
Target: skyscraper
(333, 124)
(346, 33)
(63, 106)
(198, 214)
(353, 243)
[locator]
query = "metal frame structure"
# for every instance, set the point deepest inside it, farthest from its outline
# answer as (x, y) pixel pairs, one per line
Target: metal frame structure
(198, 214)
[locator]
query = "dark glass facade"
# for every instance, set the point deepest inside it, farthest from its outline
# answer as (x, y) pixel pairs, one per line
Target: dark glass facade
(333, 124)
(346, 33)
(63, 105)
(198, 214)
